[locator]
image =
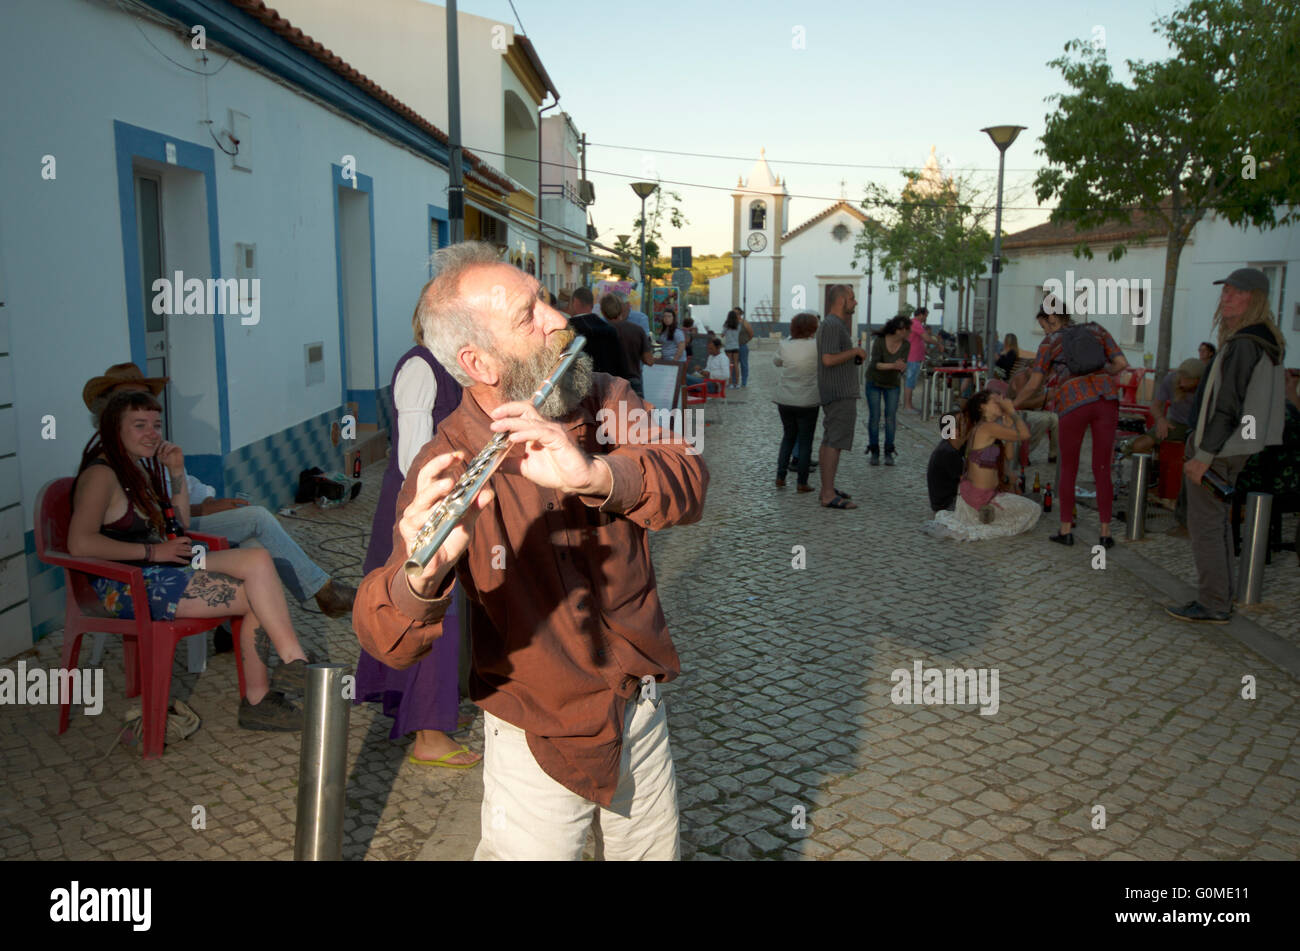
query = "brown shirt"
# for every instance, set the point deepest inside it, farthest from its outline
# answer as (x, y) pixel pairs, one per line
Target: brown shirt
(565, 614)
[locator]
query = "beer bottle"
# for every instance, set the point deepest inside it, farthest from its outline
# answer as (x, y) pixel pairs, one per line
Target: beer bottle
(1038, 486)
(1047, 499)
(1223, 489)
(356, 466)
(174, 529)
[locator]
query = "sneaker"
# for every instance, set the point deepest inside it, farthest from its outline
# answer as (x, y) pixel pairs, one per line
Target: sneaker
(292, 676)
(1066, 539)
(1195, 611)
(889, 458)
(875, 458)
(274, 714)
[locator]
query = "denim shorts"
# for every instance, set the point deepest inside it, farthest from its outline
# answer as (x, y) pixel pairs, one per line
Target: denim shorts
(913, 372)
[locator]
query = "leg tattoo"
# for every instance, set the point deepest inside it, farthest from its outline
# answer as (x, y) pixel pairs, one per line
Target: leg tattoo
(213, 588)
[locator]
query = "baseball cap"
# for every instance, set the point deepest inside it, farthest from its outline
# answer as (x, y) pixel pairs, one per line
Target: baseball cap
(1246, 279)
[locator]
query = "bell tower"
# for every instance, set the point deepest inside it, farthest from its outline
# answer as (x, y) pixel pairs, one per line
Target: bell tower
(760, 215)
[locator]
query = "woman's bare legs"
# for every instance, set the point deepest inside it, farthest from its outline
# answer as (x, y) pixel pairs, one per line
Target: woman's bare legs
(217, 593)
(212, 594)
(261, 585)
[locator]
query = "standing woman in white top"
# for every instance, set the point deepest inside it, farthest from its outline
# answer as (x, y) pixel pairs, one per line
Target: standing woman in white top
(424, 699)
(797, 398)
(672, 341)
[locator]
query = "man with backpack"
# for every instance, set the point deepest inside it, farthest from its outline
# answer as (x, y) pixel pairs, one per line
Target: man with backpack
(1238, 409)
(1078, 363)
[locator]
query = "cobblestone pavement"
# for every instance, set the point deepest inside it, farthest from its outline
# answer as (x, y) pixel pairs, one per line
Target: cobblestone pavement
(787, 742)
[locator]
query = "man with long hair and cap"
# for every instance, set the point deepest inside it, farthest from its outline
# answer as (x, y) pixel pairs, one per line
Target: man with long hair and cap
(1237, 411)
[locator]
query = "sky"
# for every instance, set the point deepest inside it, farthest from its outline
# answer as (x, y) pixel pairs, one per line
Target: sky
(874, 84)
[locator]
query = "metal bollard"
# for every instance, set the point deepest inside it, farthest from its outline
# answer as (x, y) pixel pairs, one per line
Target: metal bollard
(1137, 493)
(322, 770)
(1250, 575)
(947, 397)
(926, 382)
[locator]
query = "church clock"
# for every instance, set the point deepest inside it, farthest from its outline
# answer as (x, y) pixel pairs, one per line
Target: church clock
(757, 241)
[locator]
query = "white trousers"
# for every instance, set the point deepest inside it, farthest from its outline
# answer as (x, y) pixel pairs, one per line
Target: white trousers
(527, 815)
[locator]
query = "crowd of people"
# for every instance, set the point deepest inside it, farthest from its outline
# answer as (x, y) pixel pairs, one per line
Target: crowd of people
(567, 651)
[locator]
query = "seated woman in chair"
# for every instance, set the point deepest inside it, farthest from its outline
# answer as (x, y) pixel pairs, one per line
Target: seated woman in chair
(982, 511)
(118, 515)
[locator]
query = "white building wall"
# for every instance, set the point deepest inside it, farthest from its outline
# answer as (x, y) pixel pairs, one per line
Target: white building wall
(1213, 252)
(401, 45)
(62, 240)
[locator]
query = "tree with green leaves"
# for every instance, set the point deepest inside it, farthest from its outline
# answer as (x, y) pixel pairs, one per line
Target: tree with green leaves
(1215, 129)
(662, 204)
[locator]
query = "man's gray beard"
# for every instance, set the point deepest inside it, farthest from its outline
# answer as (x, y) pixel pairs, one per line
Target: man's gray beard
(521, 378)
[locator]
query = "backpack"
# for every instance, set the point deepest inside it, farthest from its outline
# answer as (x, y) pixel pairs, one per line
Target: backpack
(1081, 352)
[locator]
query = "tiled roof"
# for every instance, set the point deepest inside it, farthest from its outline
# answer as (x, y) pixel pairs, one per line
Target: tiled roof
(1049, 235)
(283, 28)
(838, 206)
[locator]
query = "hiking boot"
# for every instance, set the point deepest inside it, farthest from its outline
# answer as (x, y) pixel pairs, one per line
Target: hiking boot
(1195, 611)
(292, 677)
(875, 457)
(274, 714)
(335, 600)
(889, 458)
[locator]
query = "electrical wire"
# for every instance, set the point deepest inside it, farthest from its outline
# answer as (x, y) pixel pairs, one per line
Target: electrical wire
(820, 198)
(738, 158)
(517, 20)
(189, 69)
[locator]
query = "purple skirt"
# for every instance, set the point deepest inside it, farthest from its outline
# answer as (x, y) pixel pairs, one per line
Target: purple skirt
(425, 696)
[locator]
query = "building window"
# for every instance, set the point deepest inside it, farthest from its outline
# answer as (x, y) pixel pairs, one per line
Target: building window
(1276, 274)
(757, 215)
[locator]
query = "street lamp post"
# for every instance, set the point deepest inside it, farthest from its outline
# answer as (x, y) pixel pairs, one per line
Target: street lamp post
(744, 281)
(643, 191)
(1002, 136)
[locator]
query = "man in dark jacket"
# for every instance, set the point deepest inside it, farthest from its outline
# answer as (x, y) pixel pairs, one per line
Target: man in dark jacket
(602, 340)
(1237, 411)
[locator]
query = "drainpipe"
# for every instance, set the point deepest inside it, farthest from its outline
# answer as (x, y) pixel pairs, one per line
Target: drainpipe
(541, 230)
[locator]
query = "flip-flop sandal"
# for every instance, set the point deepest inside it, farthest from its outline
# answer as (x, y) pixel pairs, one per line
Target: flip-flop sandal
(441, 760)
(838, 503)
(843, 495)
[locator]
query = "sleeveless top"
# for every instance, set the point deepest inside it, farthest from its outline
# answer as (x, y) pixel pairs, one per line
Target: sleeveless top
(444, 402)
(131, 527)
(988, 456)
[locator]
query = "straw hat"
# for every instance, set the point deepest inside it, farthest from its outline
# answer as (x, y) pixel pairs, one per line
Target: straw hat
(116, 375)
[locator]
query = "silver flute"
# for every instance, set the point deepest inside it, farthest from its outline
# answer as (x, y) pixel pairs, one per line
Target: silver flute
(446, 515)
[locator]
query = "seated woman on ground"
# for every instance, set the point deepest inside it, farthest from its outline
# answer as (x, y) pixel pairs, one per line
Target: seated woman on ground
(118, 515)
(981, 511)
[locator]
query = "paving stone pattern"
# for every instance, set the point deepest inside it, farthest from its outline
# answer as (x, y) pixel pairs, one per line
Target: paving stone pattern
(787, 742)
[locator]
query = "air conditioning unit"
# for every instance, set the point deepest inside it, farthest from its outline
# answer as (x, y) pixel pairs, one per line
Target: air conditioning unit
(586, 191)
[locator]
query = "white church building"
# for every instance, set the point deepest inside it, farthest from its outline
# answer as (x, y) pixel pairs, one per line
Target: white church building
(779, 271)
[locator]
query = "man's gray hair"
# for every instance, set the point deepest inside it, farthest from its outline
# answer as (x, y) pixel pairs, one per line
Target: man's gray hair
(449, 322)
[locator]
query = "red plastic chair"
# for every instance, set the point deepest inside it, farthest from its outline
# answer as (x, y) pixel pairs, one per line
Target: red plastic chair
(149, 646)
(1129, 382)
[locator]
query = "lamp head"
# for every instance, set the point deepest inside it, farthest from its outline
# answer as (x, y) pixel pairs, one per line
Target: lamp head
(644, 189)
(1003, 135)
